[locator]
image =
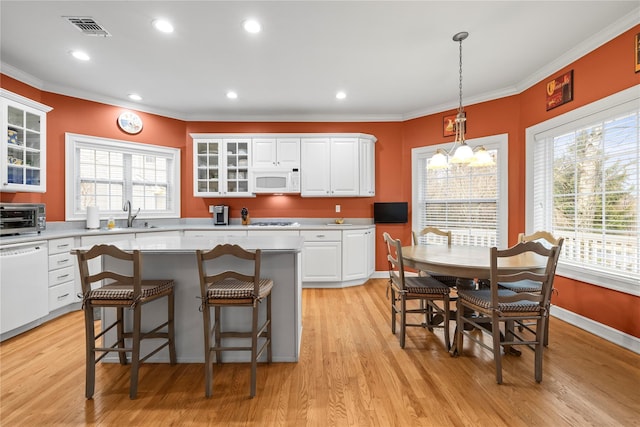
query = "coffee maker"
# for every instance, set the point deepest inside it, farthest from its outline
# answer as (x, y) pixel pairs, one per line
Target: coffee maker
(220, 215)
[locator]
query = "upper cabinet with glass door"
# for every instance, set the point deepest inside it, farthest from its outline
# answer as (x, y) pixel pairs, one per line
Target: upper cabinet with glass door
(23, 160)
(221, 167)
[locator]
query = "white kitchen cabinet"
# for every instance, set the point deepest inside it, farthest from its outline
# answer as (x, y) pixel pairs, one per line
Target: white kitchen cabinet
(345, 174)
(23, 156)
(321, 256)
(279, 153)
(329, 167)
(221, 167)
(333, 167)
(315, 164)
(63, 286)
(355, 254)
(214, 233)
(367, 167)
(371, 252)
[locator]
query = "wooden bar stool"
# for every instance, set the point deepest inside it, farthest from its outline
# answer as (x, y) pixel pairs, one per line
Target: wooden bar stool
(242, 287)
(110, 289)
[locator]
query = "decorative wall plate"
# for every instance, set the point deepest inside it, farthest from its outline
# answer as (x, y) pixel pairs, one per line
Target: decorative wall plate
(130, 122)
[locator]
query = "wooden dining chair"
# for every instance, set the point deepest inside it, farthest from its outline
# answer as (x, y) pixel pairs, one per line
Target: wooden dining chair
(104, 287)
(488, 309)
(405, 288)
(436, 236)
(230, 277)
(546, 239)
(543, 236)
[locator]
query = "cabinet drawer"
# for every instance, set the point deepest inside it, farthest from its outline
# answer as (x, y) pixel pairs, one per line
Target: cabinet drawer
(61, 295)
(58, 246)
(60, 261)
(321, 235)
(60, 275)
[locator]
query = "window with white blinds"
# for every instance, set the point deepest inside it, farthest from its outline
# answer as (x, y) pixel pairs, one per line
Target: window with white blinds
(585, 187)
(469, 201)
(106, 173)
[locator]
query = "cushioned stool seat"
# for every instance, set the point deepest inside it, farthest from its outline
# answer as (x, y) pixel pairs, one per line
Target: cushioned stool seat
(109, 288)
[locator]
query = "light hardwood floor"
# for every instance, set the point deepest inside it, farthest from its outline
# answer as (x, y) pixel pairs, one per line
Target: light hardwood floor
(351, 372)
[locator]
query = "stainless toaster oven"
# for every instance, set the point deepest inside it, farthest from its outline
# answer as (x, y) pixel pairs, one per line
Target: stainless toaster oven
(16, 218)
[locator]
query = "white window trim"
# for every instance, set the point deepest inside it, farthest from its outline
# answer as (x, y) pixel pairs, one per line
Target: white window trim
(72, 141)
(575, 118)
(499, 142)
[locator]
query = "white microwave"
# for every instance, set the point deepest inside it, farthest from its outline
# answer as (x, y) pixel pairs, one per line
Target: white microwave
(276, 181)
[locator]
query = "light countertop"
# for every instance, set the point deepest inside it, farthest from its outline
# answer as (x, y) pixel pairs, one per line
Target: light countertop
(59, 230)
(179, 244)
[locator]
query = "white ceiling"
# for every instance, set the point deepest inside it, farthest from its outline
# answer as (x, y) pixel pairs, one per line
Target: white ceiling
(395, 59)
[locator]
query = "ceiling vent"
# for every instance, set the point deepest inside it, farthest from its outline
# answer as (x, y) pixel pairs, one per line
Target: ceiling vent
(87, 25)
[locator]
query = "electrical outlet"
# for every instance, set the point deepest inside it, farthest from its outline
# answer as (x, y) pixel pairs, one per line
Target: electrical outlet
(210, 208)
(337, 208)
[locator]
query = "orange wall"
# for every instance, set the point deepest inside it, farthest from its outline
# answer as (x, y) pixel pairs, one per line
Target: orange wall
(511, 115)
(605, 71)
(75, 115)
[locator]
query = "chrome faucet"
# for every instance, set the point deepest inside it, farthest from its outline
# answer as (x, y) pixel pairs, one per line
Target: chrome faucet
(127, 208)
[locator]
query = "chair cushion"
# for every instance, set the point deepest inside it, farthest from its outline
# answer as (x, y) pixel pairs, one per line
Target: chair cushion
(522, 286)
(237, 289)
(482, 298)
(425, 285)
(116, 291)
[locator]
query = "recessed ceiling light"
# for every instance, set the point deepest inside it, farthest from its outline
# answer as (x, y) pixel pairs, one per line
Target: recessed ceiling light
(135, 97)
(232, 95)
(78, 54)
(341, 95)
(163, 25)
(252, 26)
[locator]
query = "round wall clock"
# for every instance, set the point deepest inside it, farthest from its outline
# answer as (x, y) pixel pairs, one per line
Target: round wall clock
(130, 122)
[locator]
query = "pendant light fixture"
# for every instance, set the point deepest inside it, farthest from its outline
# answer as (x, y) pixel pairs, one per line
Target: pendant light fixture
(462, 153)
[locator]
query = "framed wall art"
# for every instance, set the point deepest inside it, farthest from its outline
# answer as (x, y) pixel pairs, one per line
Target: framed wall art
(637, 50)
(560, 90)
(449, 125)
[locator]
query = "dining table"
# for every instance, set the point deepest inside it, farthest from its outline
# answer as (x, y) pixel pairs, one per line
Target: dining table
(470, 262)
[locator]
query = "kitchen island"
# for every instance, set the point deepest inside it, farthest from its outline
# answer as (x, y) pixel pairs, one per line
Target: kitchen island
(174, 258)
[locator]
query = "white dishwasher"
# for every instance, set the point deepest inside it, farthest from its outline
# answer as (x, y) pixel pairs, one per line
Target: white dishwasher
(24, 294)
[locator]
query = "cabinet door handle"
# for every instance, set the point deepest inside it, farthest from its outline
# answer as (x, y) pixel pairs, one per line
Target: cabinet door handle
(63, 261)
(64, 276)
(63, 296)
(66, 245)
(319, 235)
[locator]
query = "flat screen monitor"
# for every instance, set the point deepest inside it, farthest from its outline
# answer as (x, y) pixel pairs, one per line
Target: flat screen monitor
(391, 212)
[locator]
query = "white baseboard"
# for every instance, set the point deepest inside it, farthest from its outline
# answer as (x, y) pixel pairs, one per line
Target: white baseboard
(603, 331)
